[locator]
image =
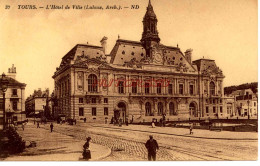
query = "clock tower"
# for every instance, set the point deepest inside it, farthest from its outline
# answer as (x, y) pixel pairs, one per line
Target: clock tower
(150, 37)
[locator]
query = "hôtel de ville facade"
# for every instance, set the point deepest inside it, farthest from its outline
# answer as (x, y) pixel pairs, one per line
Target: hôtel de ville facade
(138, 80)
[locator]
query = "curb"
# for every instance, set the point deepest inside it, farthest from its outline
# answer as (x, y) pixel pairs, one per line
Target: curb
(104, 156)
(255, 139)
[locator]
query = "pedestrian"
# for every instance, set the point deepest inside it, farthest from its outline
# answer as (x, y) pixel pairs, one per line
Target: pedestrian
(38, 125)
(86, 152)
(22, 126)
(191, 127)
(51, 126)
(85, 119)
(153, 125)
(152, 147)
(120, 122)
(126, 121)
(75, 121)
(164, 120)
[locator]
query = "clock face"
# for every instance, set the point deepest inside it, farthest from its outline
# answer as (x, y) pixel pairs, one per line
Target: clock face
(158, 57)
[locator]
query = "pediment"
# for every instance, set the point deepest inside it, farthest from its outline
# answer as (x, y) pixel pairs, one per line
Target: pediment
(93, 63)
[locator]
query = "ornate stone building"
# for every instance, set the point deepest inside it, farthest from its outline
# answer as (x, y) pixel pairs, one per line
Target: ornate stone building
(138, 80)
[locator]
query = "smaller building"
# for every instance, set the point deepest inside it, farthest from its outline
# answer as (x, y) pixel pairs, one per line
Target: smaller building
(246, 103)
(36, 103)
(14, 98)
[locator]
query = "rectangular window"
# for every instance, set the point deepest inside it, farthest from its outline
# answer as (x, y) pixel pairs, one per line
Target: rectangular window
(121, 87)
(14, 92)
(94, 111)
(159, 88)
(191, 89)
(14, 105)
(181, 89)
(14, 118)
(207, 110)
(147, 88)
(220, 109)
(105, 111)
(134, 87)
(170, 89)
(229, 108)
(81, 111)
(93, 100)
(80, 100)
(105, 100)
(214, 109)
(1, 104)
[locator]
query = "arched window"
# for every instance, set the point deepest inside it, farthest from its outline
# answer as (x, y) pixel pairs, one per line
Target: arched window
(171, 109)
(148, 109)
(212, 88)
(160, 108)
(92, 83)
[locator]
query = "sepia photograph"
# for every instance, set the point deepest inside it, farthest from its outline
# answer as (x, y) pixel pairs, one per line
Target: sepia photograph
(128, 80)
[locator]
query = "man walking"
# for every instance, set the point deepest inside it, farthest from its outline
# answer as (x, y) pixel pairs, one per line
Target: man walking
(51, 126)
(38, 125)
(151, 146)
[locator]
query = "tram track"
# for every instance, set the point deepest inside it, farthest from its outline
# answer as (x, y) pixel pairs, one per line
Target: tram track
(193, 154)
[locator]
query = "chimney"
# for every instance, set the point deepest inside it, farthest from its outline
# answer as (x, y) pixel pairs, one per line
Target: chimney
(12, 72)
(188, 54)
(103, 42)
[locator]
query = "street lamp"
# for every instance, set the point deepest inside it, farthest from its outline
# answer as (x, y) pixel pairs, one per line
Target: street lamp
(3, 87)
(248, 105)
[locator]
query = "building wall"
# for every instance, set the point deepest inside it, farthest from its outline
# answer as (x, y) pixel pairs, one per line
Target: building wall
(73, 84)
(10, 99)
(40, 103)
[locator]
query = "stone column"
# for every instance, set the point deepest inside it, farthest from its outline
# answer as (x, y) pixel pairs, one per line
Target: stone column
(155, 103)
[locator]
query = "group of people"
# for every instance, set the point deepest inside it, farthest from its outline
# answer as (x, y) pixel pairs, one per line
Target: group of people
(151, 146)
(38, 126)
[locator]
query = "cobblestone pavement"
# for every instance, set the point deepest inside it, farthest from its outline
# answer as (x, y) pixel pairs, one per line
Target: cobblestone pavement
(129, 145)
(122, 149)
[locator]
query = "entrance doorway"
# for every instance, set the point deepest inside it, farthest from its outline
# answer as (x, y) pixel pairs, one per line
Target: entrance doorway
(120, 112)
(193, 110)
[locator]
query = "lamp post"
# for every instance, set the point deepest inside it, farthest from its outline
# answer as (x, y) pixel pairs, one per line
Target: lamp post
(3, 88)
(248, 112)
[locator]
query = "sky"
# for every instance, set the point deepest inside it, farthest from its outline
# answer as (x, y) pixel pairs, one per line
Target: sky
(36, 40)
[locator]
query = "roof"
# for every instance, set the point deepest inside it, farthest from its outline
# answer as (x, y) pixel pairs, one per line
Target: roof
(208, 66)
(85, 50)
(12, 82)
